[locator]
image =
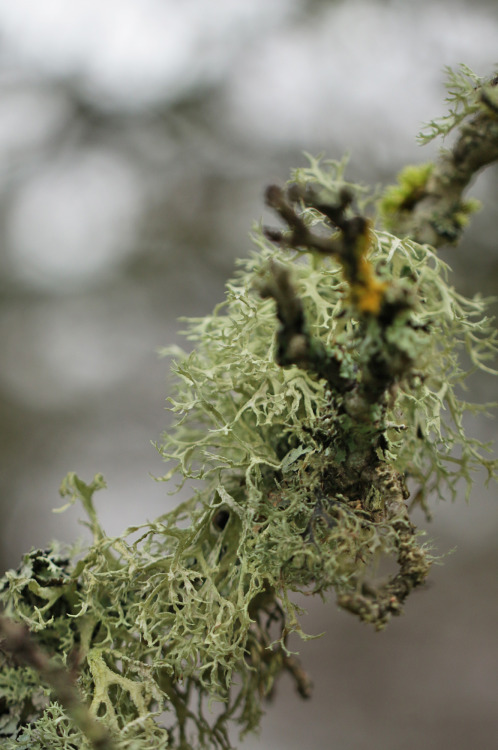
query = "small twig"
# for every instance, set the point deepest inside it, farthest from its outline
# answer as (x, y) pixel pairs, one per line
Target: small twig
(376, 605)
(300, 236)
(303, 682)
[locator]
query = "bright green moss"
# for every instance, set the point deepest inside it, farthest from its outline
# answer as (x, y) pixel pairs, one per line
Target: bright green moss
(465, 211)
(403, 196)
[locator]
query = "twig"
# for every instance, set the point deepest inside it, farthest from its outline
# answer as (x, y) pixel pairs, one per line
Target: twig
(435, 215)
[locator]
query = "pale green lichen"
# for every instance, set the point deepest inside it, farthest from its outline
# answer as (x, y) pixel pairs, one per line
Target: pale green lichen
(464, 88)
(299, 484)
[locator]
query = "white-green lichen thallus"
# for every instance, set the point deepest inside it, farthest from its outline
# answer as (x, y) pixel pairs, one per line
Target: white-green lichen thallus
(321, 401)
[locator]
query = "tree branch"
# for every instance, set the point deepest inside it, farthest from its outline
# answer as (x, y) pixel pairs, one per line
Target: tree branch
(435, 212)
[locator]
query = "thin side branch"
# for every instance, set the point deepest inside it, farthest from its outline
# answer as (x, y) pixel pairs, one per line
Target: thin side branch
(436, 216)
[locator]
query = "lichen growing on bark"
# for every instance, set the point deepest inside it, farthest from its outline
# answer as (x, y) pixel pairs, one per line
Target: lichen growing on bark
(321, 400)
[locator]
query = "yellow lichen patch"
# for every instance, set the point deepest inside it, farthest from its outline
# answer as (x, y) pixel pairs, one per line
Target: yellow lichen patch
(367, 292)
(369, 295)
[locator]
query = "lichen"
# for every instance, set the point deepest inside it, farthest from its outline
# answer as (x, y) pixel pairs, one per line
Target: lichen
(318, 398)
(464, 99)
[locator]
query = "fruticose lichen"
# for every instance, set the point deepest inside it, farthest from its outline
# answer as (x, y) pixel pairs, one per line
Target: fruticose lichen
(305, 442)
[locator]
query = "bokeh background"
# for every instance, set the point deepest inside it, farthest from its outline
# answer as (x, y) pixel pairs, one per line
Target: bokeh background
(136, 138)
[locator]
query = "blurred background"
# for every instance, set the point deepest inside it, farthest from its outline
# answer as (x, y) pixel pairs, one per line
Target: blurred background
(136, 138)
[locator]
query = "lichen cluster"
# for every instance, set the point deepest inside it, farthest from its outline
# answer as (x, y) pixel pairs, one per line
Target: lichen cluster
(321, 399)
